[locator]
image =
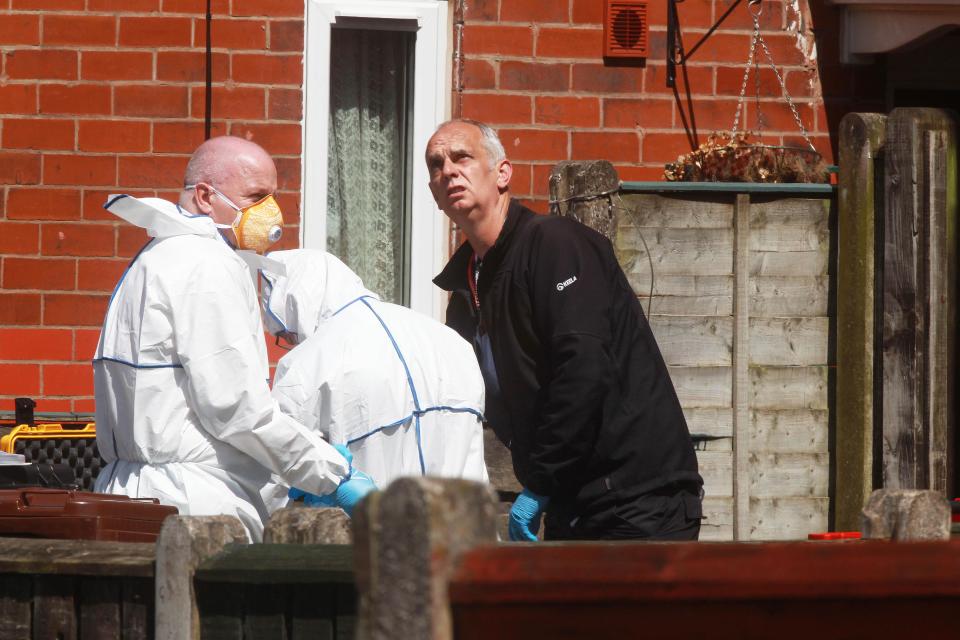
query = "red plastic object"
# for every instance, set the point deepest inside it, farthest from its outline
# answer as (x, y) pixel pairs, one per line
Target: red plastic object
(835, 535)
(80, 515)
(955, 510)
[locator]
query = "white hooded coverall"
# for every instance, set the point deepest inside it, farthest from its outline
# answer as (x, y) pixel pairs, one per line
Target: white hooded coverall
(183, 405)
(401, 390)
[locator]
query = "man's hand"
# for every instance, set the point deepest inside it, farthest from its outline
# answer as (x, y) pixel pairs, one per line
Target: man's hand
(352, 488)
(525, 516)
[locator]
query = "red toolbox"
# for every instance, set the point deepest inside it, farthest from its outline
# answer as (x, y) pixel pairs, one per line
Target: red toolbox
(79, 515)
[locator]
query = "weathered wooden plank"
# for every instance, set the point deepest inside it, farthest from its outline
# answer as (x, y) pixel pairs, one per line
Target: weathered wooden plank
(686, 212)
(800, 296)
(702, 386)
(862, 136)
(220, 609)
(687, 305)
(940, 147)
(716, 467)
(689, 286)
(263, 611)
(279, 564)
(100, 609)
(685, 295)
(346, 621)
(789, 341)
(312, 612)
(790, 224)
(741, 364)
(788, 388)
(694, 341)
(787, 518)
(717, 524)
(185, 542)
(791, 263)
(919, 286)
(904, 435)
(499, 464)
(136, 611)
(55, 607)
(16, 595)
(76, 557)
(789, 475)
(716, 422)
(686, 252)
(789, 430)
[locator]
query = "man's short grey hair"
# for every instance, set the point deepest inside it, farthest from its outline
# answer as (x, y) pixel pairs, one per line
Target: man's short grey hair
(489, 138)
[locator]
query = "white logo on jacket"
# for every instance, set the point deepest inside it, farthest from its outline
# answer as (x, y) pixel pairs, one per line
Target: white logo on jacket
(566, 283)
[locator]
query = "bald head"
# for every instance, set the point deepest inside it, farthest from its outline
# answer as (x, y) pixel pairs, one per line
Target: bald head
(219, 159)
(235, 167)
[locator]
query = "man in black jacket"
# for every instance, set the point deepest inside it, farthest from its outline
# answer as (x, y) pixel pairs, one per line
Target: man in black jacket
(576, 386)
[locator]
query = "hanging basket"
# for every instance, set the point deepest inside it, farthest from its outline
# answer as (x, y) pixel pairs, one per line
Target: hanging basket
(722, 159)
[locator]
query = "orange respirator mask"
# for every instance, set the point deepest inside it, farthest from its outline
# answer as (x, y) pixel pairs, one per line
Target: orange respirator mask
(256, 227)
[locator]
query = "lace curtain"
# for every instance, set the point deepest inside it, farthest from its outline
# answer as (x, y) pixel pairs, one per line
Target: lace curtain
(367, 153)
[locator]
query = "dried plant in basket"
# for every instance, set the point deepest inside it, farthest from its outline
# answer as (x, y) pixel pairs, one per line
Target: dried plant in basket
(723, 158)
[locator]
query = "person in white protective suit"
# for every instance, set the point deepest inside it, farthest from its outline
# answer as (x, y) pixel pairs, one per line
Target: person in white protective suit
(183, 406)
(401, 390)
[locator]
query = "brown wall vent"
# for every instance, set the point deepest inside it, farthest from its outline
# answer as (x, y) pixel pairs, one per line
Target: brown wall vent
(624, 29)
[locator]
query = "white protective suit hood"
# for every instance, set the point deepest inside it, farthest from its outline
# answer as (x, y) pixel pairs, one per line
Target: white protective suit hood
(315, 287)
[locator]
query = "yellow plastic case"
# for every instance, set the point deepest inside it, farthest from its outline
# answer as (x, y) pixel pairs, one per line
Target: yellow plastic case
(75, 445)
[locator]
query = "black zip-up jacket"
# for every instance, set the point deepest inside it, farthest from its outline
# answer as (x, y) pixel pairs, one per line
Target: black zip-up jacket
(591, 416)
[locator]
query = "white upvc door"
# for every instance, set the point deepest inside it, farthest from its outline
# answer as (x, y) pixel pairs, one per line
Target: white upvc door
(429, 228)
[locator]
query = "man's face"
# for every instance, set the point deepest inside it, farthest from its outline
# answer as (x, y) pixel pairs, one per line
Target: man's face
(253, 179)
(462, 177)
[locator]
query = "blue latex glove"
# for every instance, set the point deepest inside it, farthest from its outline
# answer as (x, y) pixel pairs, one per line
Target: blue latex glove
(352, 490)
(353, 487)
(525, 516)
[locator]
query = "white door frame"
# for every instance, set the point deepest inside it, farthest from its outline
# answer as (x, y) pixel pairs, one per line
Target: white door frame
(431, 91)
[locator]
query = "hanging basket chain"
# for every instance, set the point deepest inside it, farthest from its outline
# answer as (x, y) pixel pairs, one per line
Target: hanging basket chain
(743, 87)
(757, 38)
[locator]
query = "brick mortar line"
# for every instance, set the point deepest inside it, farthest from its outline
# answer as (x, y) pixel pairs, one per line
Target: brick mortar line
(656, 64)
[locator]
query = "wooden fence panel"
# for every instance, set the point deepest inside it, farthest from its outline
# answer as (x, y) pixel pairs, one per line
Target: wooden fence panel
(919, 299)
(15, 600)
(741, 286)
(100, 609)
(55, 607)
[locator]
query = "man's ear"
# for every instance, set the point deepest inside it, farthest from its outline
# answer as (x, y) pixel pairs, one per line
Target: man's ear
(202, 193)
(504, 173)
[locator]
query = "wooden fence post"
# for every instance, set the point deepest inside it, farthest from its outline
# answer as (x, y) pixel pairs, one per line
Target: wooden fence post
(919, 300)
(906, 515)
(862, 136)
(582, 190)
(184, 543)
(407, 541)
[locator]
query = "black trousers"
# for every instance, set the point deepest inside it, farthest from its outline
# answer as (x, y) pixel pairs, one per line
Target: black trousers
(670, 514)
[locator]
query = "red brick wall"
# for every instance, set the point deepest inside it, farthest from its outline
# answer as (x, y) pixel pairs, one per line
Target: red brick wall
(534, 69)
(107, 96)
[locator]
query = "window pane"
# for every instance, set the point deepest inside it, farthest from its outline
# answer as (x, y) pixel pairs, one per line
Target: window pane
(368, 192)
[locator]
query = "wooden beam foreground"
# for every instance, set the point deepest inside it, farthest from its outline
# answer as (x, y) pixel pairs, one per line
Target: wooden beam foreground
(696, 590)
